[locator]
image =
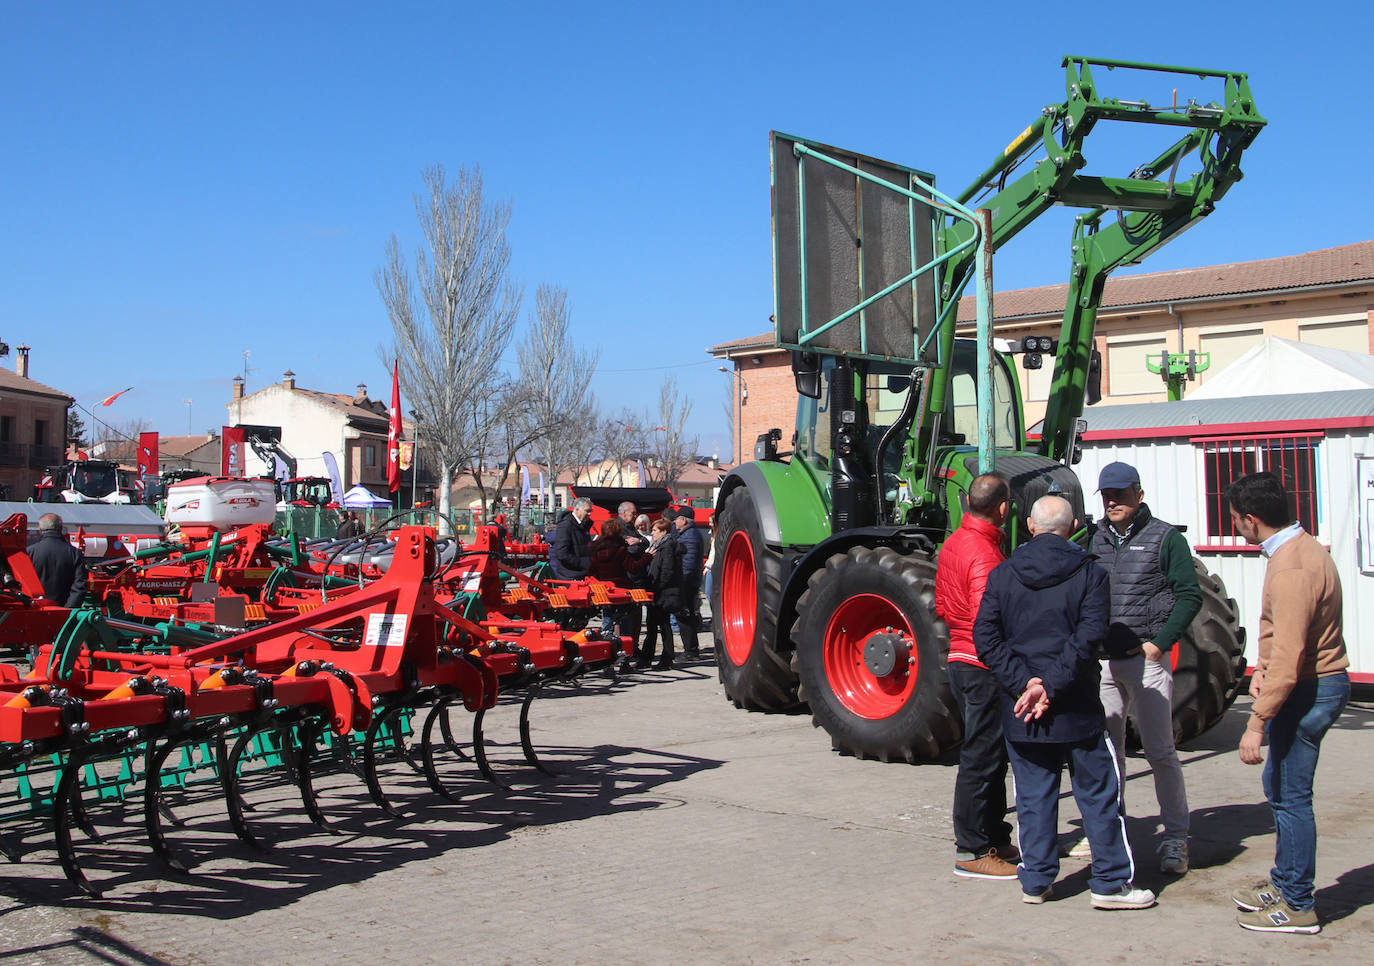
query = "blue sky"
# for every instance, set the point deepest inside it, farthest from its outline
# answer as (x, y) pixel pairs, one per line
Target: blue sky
(183, 183)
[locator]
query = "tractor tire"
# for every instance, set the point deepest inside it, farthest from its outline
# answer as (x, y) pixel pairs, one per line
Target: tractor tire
(1209, 662)
(871, 653)
(746, 595)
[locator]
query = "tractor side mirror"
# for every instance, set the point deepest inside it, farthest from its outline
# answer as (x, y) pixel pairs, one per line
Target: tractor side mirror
(766, 447)
(896, 384)
(806, 370)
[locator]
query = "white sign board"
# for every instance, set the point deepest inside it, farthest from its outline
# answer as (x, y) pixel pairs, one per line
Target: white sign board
(385, 630)
(1364, 502)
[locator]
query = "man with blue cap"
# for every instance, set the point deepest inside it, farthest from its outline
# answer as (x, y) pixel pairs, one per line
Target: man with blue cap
(1155, 596)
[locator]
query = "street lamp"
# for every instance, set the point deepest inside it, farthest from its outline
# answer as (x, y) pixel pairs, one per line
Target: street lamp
(188, 416)
(740, 397)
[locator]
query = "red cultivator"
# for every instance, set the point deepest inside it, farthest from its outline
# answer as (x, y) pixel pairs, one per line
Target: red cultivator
(352, 671)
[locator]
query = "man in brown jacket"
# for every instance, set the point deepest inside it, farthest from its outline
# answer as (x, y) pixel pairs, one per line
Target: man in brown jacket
(1300, 687)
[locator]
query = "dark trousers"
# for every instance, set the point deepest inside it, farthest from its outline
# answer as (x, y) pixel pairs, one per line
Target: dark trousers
(1097, 789)
(689, 619)
(658, 625)
(980, 788)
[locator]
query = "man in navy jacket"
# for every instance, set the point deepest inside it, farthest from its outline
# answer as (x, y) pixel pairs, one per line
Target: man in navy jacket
(1045, 611)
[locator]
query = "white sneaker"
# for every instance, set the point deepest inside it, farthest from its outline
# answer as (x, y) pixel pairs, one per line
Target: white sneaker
(1173, 856)
(1080, 850)
(1128, 897)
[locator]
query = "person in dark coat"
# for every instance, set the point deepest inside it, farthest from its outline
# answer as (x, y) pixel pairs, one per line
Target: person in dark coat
(690, 552)
(1044, 615)
(61, 567)
(570, 551)
(665, 580)
(349, 526)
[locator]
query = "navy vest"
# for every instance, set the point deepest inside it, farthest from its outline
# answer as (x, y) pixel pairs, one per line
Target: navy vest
(1142, 598)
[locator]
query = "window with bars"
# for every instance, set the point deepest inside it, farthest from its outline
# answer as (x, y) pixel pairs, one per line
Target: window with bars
(1291, 457)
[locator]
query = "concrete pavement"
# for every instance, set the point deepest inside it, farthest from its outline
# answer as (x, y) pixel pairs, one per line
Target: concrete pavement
(680, 830)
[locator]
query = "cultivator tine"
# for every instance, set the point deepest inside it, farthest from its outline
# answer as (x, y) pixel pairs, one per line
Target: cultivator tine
(65, 798)
(526, 745)
(233, 798)
(152, 806)
(374, 784)
(479, 751)
(437, 713)
(306, 734)
(446, 730)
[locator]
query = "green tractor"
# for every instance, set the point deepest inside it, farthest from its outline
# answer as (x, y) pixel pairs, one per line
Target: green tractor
(823, 586)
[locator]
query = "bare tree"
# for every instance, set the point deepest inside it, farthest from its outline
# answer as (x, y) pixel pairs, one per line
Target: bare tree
(557, 378)
(452, 312)
(671, 450)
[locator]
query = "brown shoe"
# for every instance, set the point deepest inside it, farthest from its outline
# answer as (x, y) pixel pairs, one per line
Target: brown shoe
(988, 866)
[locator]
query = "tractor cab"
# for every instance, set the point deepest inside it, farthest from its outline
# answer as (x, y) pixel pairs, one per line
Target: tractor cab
(306, 491)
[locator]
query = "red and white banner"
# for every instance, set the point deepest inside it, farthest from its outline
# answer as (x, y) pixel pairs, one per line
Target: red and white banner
(232, 440)
(147, 458)
(393, 432)
(109, 400)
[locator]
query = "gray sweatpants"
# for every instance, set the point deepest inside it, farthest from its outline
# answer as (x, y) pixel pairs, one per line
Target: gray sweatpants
(1145, 690)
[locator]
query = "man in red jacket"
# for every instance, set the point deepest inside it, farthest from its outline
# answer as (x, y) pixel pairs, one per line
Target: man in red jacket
(982, 835)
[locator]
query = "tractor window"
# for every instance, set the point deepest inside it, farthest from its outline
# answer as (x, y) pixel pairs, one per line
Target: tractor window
(885, 392)
(813, 421)
(964, 400)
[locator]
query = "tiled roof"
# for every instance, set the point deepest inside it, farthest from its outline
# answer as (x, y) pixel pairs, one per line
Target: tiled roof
(1327, 266)
(182, 445)
(15, 382)
(348, 405)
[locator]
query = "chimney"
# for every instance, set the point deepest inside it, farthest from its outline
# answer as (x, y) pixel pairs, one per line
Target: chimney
(360, 396)
(238, 387)
(288, 380)
(21, 361)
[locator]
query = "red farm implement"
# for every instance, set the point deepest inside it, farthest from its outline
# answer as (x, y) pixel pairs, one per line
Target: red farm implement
(351, 673)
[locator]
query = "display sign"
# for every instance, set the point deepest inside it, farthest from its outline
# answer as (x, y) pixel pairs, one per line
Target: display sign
(1364, 502)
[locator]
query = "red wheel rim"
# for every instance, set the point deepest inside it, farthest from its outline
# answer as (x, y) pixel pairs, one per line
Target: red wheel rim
(857, 688)
(739, 598)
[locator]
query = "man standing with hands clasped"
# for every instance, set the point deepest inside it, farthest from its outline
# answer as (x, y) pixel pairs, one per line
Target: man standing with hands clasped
(1155, 596)
(1044, 615)
(1300, 686)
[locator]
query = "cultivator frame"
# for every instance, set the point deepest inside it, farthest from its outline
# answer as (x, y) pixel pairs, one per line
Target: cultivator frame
(352, 671)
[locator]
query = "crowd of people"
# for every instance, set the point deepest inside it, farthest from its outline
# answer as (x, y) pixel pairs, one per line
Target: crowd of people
(1052, 647)
(665, 556)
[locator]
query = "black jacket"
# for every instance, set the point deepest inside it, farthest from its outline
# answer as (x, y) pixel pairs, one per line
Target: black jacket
(61, 569)
(570, 552)
(665, 575)
(1044, 614)
(689, 548)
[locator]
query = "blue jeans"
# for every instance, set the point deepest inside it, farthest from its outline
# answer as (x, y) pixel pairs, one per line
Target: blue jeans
(1295, 739)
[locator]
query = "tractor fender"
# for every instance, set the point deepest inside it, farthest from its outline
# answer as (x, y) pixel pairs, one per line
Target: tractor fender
(791, 509)
(803, 563)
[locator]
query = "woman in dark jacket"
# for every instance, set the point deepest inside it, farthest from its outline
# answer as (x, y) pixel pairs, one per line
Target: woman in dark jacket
(665, 580)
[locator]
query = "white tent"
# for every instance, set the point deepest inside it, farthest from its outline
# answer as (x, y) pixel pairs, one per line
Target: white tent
(1277, 367)
(361, 498)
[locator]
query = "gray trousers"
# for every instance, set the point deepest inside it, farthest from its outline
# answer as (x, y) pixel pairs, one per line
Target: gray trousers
(1145, 690)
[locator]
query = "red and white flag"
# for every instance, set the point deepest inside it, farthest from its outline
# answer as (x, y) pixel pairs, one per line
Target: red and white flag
(110, 399)
(147, 457)
(393, 432)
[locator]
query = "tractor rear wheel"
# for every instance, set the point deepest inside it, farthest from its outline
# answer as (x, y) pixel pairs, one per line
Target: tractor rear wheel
(871, 655)
(1209, 662)
(746, 594)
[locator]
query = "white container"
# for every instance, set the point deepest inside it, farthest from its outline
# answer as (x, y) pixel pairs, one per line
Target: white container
(221, 502)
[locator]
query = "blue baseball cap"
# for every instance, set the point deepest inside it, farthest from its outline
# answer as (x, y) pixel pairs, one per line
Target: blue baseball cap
(1117, 476)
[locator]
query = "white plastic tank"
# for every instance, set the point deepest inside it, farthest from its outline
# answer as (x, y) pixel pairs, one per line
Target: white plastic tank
(221, 502)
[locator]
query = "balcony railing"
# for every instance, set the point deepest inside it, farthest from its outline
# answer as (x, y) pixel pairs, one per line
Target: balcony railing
(12, 454)
(42, 456)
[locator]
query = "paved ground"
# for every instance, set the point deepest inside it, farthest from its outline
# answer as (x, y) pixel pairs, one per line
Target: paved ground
(682, 831)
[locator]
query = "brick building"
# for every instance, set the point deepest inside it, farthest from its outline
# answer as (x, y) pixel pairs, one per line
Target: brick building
(1324, 297)
(33, 428)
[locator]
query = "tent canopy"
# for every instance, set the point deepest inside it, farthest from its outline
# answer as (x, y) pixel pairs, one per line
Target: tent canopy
(1281, 366)
(360, 498)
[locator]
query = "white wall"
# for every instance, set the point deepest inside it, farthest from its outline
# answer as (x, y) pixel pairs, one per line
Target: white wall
(1171, 474)
(308, 428)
